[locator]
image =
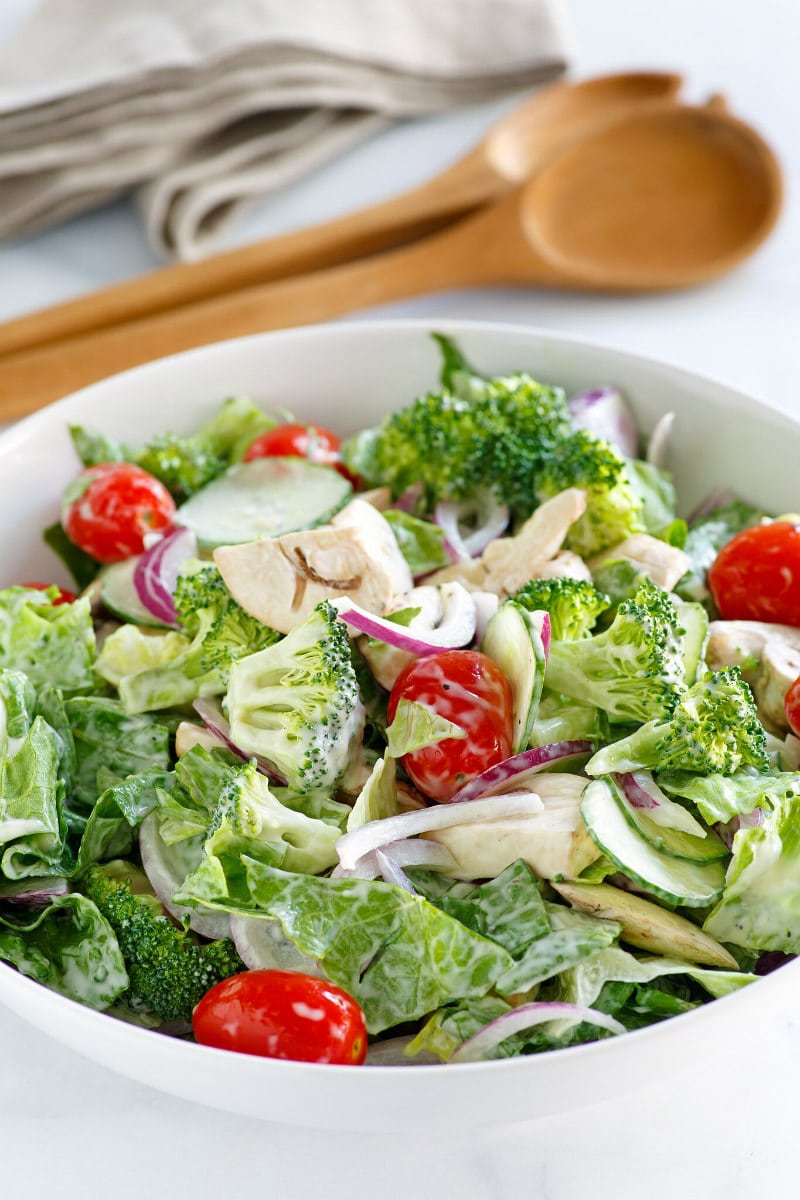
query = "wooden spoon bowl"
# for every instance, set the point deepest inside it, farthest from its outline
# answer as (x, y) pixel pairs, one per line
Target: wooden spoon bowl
(662, 198)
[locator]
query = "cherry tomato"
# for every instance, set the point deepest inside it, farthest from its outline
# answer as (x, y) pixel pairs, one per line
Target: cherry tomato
(282, 1014)
(792, 706)
(756, 575)
(109, 508)
(297, 441)
(65, 596)
(467, 688)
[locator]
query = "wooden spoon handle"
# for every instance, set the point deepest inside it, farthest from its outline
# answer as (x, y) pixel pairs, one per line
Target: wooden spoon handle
(35, 377)
(469, 183)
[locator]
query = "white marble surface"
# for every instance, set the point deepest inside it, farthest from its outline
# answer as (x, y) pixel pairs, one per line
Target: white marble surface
(71, 1129)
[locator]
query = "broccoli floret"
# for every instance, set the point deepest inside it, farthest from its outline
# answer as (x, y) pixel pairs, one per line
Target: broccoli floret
(220, 632)
(297, 702)
(490, 433)
(169, 970)
(613, 508)
(573, 604)
(183, 465)
(186, 464)
(714, 729)
(634, 670)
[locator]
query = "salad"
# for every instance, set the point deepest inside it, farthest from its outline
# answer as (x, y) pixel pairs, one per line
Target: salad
(448, 742)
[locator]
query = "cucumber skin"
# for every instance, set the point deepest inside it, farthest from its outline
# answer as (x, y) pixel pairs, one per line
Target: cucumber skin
(687, 898)
(340, 488)
(136, 614)
(511, 610)
(660, 838)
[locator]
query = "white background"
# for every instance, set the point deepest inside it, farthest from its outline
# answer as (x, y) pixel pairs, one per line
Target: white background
(72, 1129)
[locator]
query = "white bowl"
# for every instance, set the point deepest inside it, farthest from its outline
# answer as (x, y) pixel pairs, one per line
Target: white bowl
(347, 377)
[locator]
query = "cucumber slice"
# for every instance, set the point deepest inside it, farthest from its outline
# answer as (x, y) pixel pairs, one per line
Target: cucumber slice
(119, 595)
(513, 641)
(694, 619)
(677, 843)
(263, 499)
(646, 925)
(674, 880)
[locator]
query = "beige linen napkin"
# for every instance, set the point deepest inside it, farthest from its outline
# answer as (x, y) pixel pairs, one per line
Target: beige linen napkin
(206, 105)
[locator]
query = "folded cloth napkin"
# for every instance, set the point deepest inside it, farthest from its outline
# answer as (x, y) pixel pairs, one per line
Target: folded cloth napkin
(205, 105)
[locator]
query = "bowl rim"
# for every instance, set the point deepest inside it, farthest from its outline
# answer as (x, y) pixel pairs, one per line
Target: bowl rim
(176, 1049)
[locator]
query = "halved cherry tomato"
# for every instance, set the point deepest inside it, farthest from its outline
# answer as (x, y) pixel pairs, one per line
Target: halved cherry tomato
(65, 596)
(282, 1014)
(756, 575)
(313, 442)
(297, 441)
(792, 707)
(467, 688)
(109, 508)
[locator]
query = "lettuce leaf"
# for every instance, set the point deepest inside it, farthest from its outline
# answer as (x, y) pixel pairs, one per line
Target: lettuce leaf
(70, 948)
(183, 464)
(720, 797)
(31, 819)
(106, 736)
(508, 910)
(110, 831)
(421, 542)
(378, 797)
(54, 644)
(574, 938)
(395, 953)
(452, 1025)
(417, 725)
(760, 906)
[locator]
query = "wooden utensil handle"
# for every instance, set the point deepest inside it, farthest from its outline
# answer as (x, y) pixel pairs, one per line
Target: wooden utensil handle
(35, 377)
(467, 184)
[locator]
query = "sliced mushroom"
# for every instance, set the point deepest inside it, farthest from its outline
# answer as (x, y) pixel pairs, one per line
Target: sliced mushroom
(554, 842)
(769, 658)
(281, 580)
(507, 563)
(377, 534)
(564, 565)
(386, 662)
(664, 564)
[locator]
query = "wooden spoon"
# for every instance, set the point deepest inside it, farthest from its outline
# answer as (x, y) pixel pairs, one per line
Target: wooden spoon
(508, 154)
(660, 199)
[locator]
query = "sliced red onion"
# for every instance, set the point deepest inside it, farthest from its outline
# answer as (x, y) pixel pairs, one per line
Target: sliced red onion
(541, 620)
(165, 878)
(605, 413)
(214, 719)
(377, 835)
(640, 789)
(410, 498)
(727, 830)
(482, 1043)
(717, 498)
(457, 627)
(392, 872)
(37, 891)
(157, 570)
(518, 769)
(408, 852)
(263, 946)
(490, 518)
(658, 445)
